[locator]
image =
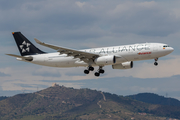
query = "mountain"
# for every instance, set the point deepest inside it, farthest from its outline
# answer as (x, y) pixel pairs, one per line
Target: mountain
(155, 99)
(3, 97)
(62, 103)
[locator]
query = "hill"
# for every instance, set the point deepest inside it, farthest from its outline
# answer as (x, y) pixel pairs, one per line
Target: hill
(61, 103)
(3, 97)
(155, 99)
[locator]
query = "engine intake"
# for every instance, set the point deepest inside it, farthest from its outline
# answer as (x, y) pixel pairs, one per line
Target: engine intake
(125, 65)
(105, 60)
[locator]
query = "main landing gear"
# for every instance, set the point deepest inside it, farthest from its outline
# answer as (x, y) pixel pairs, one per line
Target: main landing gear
(90, 68)
(100, 71)
(156, 63)
(97, 74)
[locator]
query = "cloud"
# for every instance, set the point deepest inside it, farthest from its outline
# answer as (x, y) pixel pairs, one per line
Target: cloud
(46, 74)
(120, 85)
(1, 88)
(68, 21)
(143, 18)
(30, 86)
(74, 74)
(166, 68)
(11, 93)
(80, 4)
(143, 69)
(3, 74)
(94, 24)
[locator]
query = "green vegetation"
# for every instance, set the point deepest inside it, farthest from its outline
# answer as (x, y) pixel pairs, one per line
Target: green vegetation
(155, 99)
(3, 97)
(61, 103)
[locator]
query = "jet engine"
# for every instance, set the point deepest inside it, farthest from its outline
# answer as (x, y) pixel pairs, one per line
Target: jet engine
(105, 60)
(125, 65)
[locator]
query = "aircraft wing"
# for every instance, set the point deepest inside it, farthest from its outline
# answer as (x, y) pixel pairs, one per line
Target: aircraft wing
(85, 56)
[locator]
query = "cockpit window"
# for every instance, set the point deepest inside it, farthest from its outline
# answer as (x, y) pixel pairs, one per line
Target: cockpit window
(166, 46)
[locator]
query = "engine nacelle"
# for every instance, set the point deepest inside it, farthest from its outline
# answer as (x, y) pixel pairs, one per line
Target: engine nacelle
(125, 65)
(105, 60)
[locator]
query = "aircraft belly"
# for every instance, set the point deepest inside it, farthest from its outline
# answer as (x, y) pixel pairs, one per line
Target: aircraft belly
(38, 60)
(159, 54)
(65, 62)
(62, 62)
(80, 63)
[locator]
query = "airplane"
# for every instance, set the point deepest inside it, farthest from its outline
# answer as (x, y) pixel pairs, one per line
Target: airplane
(119, 57)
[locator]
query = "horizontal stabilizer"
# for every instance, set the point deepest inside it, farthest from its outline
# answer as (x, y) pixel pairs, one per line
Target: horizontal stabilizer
(22, 57)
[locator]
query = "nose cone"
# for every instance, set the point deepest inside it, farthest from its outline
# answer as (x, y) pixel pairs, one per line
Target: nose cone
(171, 49)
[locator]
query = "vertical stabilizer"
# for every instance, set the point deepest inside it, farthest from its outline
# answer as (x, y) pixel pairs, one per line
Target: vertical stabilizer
(25, 46)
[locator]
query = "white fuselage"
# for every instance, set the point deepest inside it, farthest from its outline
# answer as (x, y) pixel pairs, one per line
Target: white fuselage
(125, 53)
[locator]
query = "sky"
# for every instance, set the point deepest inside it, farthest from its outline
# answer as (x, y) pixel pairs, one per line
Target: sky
(88, 24)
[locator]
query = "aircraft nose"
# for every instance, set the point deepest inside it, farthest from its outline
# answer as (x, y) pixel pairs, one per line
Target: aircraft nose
(171, 49)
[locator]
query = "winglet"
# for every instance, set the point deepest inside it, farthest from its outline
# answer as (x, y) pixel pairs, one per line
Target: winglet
(37, 41)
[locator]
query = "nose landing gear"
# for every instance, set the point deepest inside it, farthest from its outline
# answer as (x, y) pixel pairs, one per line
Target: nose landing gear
(156, 63)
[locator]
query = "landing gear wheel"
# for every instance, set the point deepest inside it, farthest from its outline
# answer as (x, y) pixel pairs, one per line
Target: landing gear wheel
(86, 71)
(101, 71)
(96, 74)
(155, 63)
(91, 68)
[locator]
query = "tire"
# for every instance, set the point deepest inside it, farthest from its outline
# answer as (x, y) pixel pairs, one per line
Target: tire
(91, 68)
(155, 63)
(86, 71)
(96, 74)
(101, 71)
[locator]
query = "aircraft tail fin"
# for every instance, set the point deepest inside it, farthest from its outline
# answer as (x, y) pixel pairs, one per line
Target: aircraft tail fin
(25, 46)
